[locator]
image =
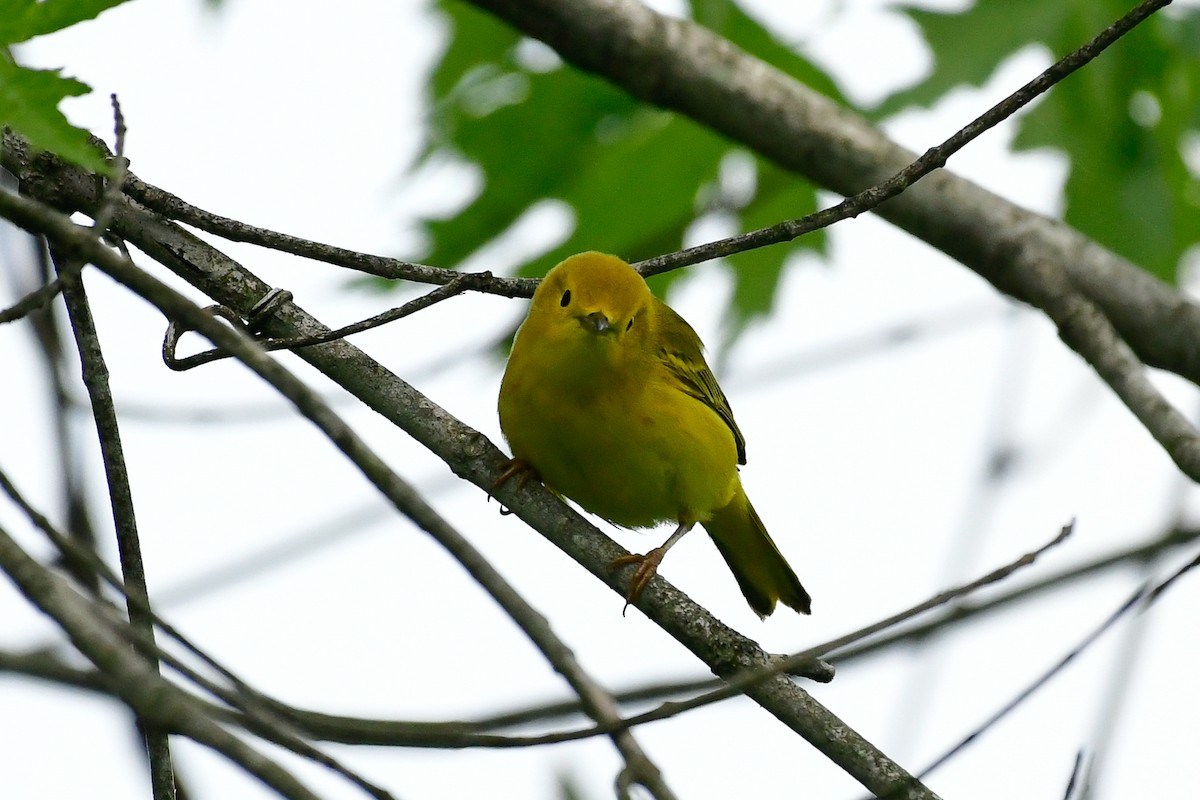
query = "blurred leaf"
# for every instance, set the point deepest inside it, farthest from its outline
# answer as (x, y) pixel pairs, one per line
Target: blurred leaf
(29, 101)
(757, 272)
(1125, 120)
(636, 178)
(569, 787)
(969, 46)
(24, 19)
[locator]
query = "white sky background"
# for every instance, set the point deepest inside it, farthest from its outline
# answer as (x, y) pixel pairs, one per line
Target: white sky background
(868, 470)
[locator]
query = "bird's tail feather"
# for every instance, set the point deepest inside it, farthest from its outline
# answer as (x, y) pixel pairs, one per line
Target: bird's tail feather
(761, 570)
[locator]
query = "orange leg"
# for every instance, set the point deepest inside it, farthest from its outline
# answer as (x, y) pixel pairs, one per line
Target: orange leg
(647, 565)
(515, 468)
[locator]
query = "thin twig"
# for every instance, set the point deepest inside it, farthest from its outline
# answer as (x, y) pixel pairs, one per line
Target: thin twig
(360, 731)
(36, 300)
(462, 282)
(1060, 580)
(115, 183)
(741, 683)
(1131, 603)
(946, 622)
(1158, 590)
(173, 207)
(1076, 771)
(95, 379)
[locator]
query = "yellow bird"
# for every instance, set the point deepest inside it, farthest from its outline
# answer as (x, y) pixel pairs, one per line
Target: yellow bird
(608, 400)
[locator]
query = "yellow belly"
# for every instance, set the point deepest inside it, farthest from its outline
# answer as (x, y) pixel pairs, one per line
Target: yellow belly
(634, 456)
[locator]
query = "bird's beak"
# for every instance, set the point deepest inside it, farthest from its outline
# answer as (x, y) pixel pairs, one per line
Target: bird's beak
(596, 322)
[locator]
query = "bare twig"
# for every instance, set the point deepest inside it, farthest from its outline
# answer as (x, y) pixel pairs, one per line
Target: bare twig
(45, 665)
(1076, 771)
(946, 622)
(1131, 603)
(34, 301)
(95, 378)
(173, 207)
(115, 183)
(1059, 580)
(741, 683)
(462, 282)
(47, 332)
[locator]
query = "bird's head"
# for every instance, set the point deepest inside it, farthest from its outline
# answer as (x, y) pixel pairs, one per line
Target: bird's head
(596, 298)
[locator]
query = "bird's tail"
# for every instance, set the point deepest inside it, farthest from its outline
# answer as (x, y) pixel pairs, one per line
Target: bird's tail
(755, 561)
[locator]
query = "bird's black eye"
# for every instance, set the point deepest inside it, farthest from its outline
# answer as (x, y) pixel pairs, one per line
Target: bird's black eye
(566, 299)
(630, 325)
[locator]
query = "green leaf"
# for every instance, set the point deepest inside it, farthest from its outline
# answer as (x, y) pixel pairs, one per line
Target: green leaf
(29, 101)
(1125, 120)
(24, 19)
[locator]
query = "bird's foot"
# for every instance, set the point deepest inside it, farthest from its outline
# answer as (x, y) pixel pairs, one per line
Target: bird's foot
(523, 471)
(647, 566)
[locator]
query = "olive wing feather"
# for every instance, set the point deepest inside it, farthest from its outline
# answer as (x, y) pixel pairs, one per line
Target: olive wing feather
(681, 353)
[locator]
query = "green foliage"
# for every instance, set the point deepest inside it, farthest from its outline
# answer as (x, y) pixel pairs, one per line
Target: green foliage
(29, 105)
(21, 20)
(635, 178)
(29, 98)
(1125, 120)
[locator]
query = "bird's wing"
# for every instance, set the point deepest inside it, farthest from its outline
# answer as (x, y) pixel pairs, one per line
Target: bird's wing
(680, 352)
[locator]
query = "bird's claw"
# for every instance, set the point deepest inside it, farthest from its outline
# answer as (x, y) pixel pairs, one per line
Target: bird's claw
(647, 567)
(514, 468)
